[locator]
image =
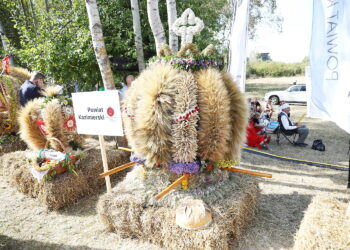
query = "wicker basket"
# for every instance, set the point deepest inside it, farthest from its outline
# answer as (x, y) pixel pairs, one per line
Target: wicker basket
(59, 167)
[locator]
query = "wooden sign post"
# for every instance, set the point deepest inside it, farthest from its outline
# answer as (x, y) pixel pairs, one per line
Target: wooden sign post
(105, 163)
(100, 117)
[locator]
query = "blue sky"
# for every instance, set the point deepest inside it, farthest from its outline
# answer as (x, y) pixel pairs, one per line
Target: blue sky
(292, 45)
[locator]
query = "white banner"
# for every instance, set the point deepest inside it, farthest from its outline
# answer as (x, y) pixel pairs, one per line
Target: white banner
(330, 62)
(238, 41)
(98, 113)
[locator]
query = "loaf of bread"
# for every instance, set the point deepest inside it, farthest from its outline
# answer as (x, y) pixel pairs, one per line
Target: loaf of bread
(193, 214)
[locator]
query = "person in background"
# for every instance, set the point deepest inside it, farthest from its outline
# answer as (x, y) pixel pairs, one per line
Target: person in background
(99, 87)
(279, 108)
(289, 128)
(129, 79)
(121, 140)
(30, 89)
(256, 105)
(254, 138)
(268, 110)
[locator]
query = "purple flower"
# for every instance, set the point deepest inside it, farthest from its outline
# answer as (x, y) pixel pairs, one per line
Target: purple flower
(137, 159)
(181, 168)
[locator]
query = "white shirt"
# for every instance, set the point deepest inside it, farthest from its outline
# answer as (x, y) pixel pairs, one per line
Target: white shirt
(122, 91)
(285, 122)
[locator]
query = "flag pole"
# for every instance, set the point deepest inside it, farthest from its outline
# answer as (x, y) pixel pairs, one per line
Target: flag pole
(349, 166)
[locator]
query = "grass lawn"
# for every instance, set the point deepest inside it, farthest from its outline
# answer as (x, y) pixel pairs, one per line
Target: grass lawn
(259, 89)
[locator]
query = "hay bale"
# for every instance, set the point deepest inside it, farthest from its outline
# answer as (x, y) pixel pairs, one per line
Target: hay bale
(66, 188)
(11, 143)
(131, 211)
(325, 226)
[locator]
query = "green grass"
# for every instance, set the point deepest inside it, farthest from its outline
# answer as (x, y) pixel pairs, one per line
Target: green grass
(259, 90)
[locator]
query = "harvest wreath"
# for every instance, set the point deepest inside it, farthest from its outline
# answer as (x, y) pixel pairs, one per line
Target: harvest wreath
(185, 121)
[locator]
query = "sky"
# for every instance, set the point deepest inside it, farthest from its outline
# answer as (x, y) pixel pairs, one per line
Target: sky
(292, 45)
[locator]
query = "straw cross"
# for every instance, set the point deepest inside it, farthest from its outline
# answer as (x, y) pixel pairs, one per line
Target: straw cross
(187, 26)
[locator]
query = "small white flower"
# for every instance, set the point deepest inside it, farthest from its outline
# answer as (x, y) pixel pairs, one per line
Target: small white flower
(70, 123)
(68, 111)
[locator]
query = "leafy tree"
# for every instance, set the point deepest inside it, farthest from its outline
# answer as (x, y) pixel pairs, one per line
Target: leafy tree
(59, 44)
(263, 11)
(8, 25)
(52, 36)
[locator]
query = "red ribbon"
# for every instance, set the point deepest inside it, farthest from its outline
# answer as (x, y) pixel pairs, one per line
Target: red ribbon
(5, 64)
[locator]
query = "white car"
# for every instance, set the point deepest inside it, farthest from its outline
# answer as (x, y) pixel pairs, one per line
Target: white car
(295, 93)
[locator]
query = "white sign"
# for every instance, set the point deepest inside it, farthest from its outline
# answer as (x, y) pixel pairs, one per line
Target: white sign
(98, 113)
(330, 62)
(238, 41)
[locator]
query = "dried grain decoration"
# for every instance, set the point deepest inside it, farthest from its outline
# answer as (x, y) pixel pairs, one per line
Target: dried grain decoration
(29, 130)
(130, 211)
(214, 123)
(184, 133)
(9, 97)
(65, 188)
(51, 90)
(53, 118)
(154, 113)
(129, 105)
(324, 226)
(21, 74)
(238, 117)
(53, 113)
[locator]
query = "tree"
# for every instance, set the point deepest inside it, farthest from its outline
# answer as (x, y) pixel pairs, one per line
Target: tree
(138, 36)
(155, 23)
(5, 42)
(99, 44)
(62, 46)
(263, 11)
(172, 15)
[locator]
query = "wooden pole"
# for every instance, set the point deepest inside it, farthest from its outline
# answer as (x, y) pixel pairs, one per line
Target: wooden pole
(126, 149)
(105, 163)
(172, 186)
(248, 172)
(117, 169)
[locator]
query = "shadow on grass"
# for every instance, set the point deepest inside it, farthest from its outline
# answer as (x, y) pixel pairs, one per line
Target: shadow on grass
(305, 186)
(9, 243)
(280, 171)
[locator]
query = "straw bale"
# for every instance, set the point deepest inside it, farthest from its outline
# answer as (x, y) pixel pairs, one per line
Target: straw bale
(325, 226)
(131, 211)
(11, 146)
(66, 188)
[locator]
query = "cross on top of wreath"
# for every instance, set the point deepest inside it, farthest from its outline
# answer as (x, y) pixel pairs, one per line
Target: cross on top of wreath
(187, 26)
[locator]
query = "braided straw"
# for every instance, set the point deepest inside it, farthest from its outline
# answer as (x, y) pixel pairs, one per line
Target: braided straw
(184, 132)
(165, 50)
(188, 47)
(209, 51)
